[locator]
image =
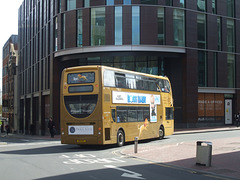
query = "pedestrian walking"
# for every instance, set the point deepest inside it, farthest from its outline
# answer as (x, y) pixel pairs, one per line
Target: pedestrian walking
(51, 127)
(238, 119)
(7, 129)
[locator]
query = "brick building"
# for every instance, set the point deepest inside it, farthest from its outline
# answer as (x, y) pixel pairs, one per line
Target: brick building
(196, 43)
(9, 83)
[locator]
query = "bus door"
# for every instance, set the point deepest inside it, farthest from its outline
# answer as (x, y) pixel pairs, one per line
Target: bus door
(169, 122)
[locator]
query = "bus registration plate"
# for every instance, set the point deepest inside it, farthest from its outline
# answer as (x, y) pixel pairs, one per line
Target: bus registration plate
(80, 130)
(81, 141)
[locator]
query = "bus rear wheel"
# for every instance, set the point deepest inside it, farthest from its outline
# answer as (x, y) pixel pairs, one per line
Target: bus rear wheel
(161, 133)
(120, 138)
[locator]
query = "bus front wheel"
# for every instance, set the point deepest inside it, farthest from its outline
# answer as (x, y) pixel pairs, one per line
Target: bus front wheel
(120, 138)
(161, 132)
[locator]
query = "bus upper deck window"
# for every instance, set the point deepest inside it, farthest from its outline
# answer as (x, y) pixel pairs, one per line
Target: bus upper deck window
(164, 85)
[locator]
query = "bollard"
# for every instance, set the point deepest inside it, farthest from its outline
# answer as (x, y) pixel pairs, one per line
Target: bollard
(135, 144)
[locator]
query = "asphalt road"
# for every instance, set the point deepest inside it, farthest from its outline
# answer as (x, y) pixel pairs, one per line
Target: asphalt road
(23, 159)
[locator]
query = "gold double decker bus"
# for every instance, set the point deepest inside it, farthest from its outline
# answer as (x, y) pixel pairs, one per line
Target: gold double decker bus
(105, 105)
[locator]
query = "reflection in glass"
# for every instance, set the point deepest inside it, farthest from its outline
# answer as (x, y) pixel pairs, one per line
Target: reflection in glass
(56, 33)
(231, 70)
(130, 81)
(125, 62)
(86, 3)
(201, 5)
(161, 38)
(169, 113)
(63, 31)
(202, 69)
(127, 2)
(80, 106)
(182, 3)
(214, 6)
(152, 65)
(79, 26)
(132, 115)
(59, 5)
(215, 69)
(230, 8)
(135, 25)
(71, 4)
(169, 2)
(179, 27)
(219, 25)
(230, 35)
(141, 64)
(94, 60)
(118, 25)
(201, 25)
(98, 26)
(149, 1)
(79, 78)
(109, 2)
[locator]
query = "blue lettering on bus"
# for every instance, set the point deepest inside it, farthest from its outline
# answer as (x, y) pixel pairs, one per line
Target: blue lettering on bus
(132, 99)
(142, 99)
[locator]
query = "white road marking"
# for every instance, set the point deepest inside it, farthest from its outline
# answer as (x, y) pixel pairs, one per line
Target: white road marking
(127, 173)
(84, 159)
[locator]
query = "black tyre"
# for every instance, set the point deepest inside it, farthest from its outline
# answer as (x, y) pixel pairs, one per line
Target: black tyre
(161, 133)
(120, 138)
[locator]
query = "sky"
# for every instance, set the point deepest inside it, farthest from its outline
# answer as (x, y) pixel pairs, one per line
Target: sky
(8, 24)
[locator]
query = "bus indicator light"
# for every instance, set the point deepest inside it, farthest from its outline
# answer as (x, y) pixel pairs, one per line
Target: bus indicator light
(96, 85)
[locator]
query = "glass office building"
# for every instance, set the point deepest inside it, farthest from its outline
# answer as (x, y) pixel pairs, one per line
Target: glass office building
(195, 43)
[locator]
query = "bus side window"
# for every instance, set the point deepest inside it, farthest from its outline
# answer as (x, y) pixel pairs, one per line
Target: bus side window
(139, 84)
(145, 85)
(122, 114)
(152, 86)
(120, 80)
(114, 115)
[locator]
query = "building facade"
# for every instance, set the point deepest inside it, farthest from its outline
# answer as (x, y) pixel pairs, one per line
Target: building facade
(9, 83)
(196, 43)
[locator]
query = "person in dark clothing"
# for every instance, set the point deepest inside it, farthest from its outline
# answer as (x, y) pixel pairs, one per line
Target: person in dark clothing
(51, 127)
(237, 119)
(7, 129)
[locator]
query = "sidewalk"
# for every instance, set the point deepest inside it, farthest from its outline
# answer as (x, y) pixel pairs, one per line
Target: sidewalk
(225, 153)
(20, 136)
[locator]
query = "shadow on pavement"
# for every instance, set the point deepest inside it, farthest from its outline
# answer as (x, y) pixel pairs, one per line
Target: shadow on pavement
(144, 171)
(54, 149)
(227, 164)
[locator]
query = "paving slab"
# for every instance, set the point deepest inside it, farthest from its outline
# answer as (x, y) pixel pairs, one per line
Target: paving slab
(225, 155)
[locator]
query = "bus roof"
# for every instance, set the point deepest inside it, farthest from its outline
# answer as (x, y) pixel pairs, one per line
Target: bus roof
(87, 67)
